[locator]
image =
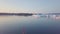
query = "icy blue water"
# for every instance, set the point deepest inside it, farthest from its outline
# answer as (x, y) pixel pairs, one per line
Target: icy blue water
(29, 25)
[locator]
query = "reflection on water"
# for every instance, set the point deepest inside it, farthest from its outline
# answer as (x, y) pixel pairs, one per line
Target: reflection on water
(29, 25)
(58, 17)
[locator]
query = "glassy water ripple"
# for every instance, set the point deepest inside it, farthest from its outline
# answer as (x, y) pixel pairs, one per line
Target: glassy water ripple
(29, 25)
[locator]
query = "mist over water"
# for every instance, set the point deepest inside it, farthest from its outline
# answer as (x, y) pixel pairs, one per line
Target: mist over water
(29, 25)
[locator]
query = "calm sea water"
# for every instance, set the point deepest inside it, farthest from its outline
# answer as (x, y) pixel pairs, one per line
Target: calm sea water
(29, 25)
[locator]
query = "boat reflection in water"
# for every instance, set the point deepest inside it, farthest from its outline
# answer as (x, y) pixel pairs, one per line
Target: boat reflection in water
(57, 17)
(47, 16)
(36, 16)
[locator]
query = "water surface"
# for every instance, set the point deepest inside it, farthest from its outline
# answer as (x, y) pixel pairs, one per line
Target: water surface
(29, 25)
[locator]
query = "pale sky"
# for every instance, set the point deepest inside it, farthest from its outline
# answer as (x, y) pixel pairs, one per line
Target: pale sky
(39, 6)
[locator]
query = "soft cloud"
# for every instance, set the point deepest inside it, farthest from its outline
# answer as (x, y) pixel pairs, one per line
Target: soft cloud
(43, 6)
